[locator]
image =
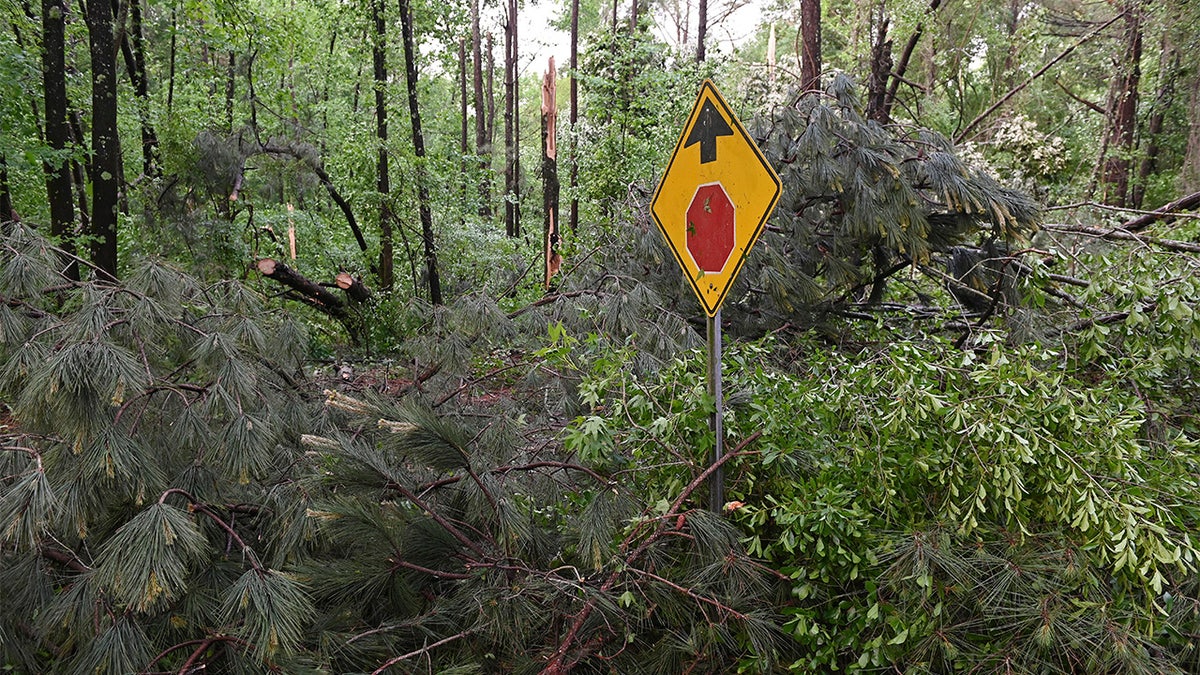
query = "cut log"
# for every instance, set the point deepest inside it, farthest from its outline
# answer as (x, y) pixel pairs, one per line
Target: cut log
(1166, 212)
(354, 288)
(307, 290)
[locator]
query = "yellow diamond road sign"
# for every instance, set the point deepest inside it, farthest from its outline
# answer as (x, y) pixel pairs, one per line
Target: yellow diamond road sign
(714, 197)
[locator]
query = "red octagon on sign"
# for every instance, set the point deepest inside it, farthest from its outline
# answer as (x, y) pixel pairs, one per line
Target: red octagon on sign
(710, 228)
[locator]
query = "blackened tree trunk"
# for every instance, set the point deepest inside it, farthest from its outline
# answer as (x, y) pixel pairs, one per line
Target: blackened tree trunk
(1122, 119)
(58, 128)
(574, 95)
(810, 40)
(106, 147)
(382, 184)
(418, 140)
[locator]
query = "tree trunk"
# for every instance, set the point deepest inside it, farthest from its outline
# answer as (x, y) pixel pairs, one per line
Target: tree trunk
(511, 222)
(1189, 175)
(701, 30)
(58, 130)
(464, 145)
(897, 76)
(382, 183)
(418, 139)
(481, 140)
(105, 141)
(810, 30)
(881, 70)
(550, 185)
(6, 207)
(141, 85)
(1167, 72)
(230, 90)
(1122, 122)
(574, 95)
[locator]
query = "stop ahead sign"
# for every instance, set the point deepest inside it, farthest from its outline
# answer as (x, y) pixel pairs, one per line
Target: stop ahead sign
(714, 197)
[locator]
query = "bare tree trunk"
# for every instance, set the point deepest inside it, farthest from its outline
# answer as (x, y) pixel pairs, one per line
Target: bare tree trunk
(105, 141)
(464, 146)
(1167, 72)
(6, 206)
(881, 69)
(512, 128)
(574, 180)
(58, 130)
(383, 185)
(481, 145)
(701, 30)
(230, 90)
(897, 76)
(418, 139)
(1189, 175)
(134, 52)
(171, 66)
(810, 59)
(1122, 123)
(550, 185)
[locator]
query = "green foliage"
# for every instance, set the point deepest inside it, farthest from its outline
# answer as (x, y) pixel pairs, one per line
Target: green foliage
(937, 510)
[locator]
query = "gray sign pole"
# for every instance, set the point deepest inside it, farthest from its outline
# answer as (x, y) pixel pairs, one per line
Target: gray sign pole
(716, 481)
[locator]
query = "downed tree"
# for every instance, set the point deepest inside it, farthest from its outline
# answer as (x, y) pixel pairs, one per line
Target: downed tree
(319, 297)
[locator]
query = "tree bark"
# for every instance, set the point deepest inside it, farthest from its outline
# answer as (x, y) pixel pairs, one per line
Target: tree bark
(134, 51)
(6, 207)
(382, 183)
(1122, 122)
(482, 149)
(58, 131)
(105, 141)
(881, 70)
(550, 184)
(464, 146)
(574, 95)
(810, 30)
(1167, 72)
(418, 140)
(1189, 175)
(701, 29)
(511, 224)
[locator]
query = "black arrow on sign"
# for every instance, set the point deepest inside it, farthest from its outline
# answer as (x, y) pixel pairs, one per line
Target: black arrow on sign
(709, 125)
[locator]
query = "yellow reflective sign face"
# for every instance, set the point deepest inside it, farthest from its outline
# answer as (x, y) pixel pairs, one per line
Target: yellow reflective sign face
(714, 197)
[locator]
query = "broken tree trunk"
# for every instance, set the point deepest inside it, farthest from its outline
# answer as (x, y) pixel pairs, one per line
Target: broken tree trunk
(314, 295)
(354, 288)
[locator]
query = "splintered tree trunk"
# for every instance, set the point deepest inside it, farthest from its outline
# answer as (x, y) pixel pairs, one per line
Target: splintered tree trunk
(810, 31)
(1122, 120)
(105, 141)
(550, 232)
(418, 139)
(574, 217)
(58, 129)
(382, 183)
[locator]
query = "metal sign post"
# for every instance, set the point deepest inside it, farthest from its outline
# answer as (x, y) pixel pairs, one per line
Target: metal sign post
(711, 205)
(716, 481)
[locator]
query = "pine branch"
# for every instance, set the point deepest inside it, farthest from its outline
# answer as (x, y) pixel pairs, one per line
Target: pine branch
(557, 664)
(404, 657)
